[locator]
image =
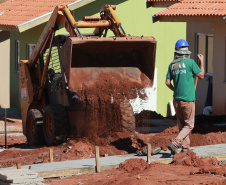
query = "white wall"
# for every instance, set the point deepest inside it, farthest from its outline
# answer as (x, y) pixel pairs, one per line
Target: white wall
(4, 69)
(219, 69)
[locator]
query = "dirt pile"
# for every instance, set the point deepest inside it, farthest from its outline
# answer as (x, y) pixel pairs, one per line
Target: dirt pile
(76, 149)
(206, 165)
(190, 159)
(133, 165)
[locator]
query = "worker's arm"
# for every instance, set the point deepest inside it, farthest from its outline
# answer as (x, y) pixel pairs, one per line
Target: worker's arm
(201, 60)
(168, 84)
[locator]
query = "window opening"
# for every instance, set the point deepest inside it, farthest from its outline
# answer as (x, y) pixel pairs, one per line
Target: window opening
(204, 45)
(30, 48)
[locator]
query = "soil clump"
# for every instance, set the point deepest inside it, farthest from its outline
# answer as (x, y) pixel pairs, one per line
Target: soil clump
(206, 165)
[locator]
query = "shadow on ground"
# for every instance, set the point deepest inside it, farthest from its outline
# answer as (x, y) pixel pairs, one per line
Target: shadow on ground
(126, 144)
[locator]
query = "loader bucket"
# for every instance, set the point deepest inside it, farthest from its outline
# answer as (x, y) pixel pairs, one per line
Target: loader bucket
(131, 59)
(106, 73)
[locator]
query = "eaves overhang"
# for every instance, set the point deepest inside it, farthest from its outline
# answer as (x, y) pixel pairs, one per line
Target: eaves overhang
(8, 28)
(160, 4)
(41, 19)
(212, 19)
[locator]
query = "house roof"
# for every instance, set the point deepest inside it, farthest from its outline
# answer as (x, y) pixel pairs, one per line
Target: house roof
(20, 15)
(194, 10)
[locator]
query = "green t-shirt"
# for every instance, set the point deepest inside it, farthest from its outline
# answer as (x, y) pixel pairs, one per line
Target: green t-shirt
(183, 74)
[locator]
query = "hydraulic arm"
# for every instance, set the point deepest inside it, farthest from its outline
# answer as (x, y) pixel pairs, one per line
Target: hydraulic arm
(62, 15)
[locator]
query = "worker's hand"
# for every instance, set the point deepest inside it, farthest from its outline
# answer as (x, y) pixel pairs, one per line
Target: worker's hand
(201, 65)
(201, 58)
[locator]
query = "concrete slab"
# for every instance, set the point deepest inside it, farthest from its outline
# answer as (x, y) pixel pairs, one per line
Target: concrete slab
(9, 175)
(65, 168)
(19, 176)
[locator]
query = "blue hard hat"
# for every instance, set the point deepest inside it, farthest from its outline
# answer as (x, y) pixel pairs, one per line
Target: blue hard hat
(181, 43)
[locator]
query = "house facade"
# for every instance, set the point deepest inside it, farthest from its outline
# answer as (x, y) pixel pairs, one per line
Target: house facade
(136, 18)
(205, 33)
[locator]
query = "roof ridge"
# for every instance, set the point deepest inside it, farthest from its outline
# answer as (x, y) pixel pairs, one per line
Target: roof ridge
(214, 8)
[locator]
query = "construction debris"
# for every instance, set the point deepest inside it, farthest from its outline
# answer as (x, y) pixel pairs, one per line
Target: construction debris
(20, 177)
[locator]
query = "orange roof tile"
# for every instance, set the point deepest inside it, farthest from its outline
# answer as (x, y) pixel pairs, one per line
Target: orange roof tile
(16, 12)
(195, 8)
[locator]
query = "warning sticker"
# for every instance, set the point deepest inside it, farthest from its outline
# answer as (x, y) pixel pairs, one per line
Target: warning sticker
(23, 94)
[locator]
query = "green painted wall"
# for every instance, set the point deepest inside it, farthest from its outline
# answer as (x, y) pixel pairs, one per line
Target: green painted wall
(28, 37)
(136, 20)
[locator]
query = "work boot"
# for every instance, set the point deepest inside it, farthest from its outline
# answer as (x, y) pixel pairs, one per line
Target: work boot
(173, 149)
(144, 151)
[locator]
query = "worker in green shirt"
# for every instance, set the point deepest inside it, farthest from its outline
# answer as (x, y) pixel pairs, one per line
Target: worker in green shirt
(182, 72)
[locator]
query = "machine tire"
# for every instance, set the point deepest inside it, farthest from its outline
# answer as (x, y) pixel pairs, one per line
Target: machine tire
(55, 127)
(34, 127)
(127, 117)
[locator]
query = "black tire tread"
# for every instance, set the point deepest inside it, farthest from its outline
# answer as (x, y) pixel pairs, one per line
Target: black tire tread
(59, 118)
(36, 138)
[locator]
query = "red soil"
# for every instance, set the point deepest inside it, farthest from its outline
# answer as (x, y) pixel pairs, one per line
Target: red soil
(185, 169)
(100, 122)
(114, 144)
(100, 102)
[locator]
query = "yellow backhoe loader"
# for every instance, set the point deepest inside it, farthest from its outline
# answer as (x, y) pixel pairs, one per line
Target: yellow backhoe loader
(65, 74)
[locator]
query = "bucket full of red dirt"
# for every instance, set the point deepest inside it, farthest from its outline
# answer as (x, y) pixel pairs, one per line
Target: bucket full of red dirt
(124, 58)
(104, 74)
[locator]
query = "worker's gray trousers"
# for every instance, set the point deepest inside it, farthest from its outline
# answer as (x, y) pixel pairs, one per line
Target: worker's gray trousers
(185, 112)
